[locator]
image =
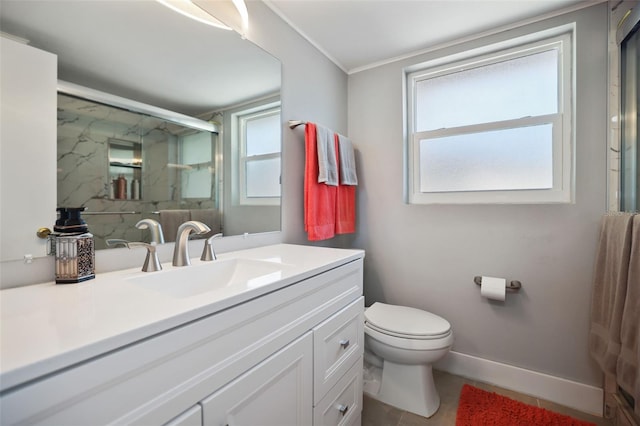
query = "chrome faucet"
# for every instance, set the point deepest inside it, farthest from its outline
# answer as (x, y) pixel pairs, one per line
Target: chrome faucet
(154, 227)
(208, 253)
(151, 262)
(181, 249)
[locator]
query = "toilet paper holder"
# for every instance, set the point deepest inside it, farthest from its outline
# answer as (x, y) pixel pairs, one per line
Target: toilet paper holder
(513, 285)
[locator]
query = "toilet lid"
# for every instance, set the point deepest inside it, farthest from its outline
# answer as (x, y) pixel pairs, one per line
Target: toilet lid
(405, 321)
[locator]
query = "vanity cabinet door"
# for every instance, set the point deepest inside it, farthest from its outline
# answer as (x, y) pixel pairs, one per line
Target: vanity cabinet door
(276, 392)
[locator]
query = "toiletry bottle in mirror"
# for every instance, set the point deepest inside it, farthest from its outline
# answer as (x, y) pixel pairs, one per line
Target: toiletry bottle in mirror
(135, 189)
(121, 192)
(114, 189)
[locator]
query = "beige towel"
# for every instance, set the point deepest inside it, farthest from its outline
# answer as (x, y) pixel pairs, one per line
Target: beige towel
(609, 289)
(171, 220)
(629, 360)
(209, 217)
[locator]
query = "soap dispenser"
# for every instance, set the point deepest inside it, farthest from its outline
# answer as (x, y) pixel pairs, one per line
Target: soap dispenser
(73, 247)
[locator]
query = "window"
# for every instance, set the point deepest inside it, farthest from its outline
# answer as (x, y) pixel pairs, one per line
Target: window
(493, 125)
(258, 139)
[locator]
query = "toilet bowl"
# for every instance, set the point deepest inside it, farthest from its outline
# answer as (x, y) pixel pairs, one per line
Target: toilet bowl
(408, 341)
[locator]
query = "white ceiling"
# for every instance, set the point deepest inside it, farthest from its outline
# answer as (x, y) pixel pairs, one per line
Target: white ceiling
(357, 34)
(144, 51)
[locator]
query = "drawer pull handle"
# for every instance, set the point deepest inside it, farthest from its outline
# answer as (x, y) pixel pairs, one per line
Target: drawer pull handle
(343, 409)
(344, 343)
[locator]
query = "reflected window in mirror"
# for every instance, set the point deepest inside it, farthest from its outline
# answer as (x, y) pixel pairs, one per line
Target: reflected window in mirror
(257, 137)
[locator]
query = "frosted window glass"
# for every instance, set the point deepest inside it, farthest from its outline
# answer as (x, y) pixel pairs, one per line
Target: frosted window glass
(511, 159)
(196, 148)
(263, 135)
(515, 88)
(196, 183)
(263, 178)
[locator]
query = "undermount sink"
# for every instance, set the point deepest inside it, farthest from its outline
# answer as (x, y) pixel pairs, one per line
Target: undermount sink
(215, 275)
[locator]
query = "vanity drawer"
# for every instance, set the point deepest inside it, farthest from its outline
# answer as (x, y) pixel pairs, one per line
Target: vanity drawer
(337, 343)
(343, 403)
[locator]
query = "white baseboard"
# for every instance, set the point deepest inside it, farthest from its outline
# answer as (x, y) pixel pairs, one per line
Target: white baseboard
(585, 398)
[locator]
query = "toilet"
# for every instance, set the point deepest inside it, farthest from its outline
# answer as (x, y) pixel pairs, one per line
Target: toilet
(407, 341)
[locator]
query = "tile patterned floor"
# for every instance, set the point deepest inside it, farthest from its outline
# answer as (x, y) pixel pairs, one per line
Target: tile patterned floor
(376, 413)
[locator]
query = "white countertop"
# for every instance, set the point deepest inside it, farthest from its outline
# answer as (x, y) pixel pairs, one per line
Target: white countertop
(46, 327)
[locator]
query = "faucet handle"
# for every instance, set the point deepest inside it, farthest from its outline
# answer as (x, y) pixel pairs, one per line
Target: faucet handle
(154, 227)
(207, 252)
(151, 262)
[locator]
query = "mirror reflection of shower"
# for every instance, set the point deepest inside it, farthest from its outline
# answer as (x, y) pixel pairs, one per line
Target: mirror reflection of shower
(628, 38)
(125, 166)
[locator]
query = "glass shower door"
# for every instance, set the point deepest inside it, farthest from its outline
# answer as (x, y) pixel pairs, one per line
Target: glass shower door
(629, 152)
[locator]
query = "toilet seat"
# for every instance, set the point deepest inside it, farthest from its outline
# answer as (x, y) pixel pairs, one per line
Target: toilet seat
(433, 344)
(404, 322)
(405, 336)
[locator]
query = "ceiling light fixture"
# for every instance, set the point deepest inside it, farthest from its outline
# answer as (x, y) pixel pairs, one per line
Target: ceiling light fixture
(232, 12)
(244, 13)
(224, 14)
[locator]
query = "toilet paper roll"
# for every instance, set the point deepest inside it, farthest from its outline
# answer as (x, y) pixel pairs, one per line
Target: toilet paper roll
(493, 288)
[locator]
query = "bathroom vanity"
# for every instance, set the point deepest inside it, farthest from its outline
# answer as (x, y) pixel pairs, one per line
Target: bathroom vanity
(269, 336)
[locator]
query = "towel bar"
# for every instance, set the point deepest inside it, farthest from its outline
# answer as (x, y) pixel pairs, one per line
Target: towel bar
(295, 123)
(513, 285)
(106, 213)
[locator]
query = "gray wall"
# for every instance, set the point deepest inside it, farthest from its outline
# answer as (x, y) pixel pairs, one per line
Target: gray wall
(426, 256)
(313, 89)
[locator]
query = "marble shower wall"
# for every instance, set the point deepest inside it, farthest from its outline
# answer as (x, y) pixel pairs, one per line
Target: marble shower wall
(84, 175)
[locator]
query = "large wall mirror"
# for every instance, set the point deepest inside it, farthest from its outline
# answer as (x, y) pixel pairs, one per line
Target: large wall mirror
(140, 156)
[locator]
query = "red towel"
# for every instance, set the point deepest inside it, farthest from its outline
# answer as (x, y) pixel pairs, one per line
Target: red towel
(319, 199)
(346, 203)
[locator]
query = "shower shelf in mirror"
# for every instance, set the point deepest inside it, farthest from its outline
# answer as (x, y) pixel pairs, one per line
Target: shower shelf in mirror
(125, 169)
(118, 164)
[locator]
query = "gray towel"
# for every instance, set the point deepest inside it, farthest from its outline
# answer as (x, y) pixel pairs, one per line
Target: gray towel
(628, 367)
(610, 276)
(171, 220)
(209, 217)
(347, 156)
(327, 162)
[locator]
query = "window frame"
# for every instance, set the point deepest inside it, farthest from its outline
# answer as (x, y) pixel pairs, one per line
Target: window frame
(239, 120)
(560, 38)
